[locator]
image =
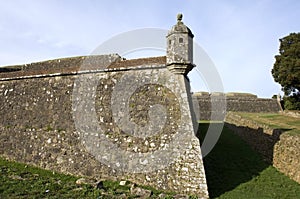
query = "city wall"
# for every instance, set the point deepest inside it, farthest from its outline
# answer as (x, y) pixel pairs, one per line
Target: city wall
(235, 102)
(103, 117)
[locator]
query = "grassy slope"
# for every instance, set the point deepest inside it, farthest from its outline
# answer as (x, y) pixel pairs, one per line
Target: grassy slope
(18, 180)
(21, 181)
(275, 120)
(234, 170)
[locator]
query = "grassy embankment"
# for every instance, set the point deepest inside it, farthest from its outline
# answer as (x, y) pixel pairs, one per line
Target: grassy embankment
(235, 171)
(18, 180)
(275, 121)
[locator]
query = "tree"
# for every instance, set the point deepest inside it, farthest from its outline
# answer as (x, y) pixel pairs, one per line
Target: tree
(286, 69)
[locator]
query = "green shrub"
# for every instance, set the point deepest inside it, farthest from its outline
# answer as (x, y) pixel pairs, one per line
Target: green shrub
(292, 102)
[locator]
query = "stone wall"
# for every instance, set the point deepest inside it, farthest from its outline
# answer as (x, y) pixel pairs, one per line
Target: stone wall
(132, 122)
(286, 155)
(291, 113)
(236, 102)
(279, 148)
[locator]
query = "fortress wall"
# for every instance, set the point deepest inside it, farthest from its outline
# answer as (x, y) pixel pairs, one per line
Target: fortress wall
(235, 102)
(104, 125)
(37, 103)
(286, 151)
(277, 147)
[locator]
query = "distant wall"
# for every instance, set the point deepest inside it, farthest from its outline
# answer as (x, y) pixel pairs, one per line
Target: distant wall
(100, 124)
(236, 102)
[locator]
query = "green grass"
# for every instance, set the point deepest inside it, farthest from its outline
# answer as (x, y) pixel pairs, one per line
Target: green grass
(275, 121)
(234, 170)
(18, 180)
(21, 181)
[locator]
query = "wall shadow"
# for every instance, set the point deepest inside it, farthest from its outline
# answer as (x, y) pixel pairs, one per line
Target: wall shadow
(233, 161)
(258, 140)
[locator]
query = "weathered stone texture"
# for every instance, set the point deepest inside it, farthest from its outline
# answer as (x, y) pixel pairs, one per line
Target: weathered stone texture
(180, 49)
(286, 156)
(75, 123)
(37, 103)
(260, 137)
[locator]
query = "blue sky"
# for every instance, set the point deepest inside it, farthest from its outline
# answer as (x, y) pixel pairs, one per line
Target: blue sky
(241, 37)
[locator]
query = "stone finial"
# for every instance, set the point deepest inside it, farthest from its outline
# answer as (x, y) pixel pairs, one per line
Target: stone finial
(179, 17)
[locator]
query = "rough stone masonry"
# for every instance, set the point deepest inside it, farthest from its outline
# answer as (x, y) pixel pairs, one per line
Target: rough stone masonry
(106, 117)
